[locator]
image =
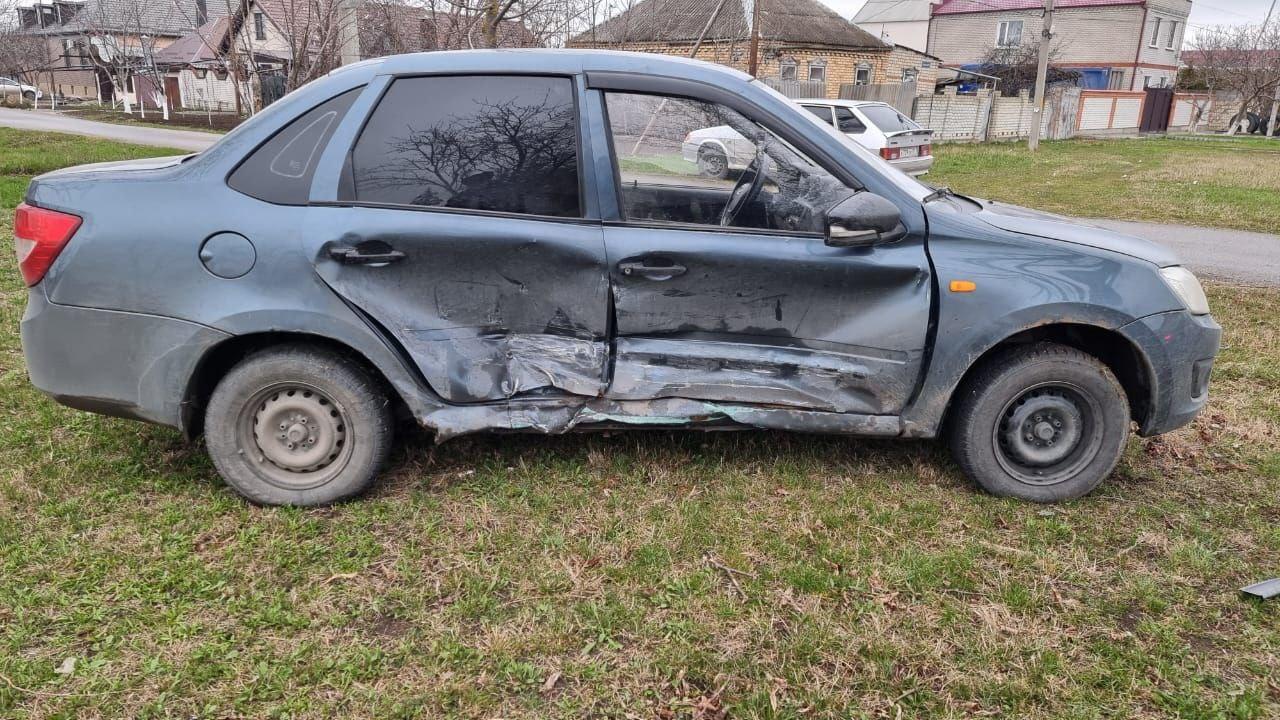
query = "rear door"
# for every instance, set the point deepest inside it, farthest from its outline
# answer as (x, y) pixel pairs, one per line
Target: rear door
(460, 228)
(753, 308)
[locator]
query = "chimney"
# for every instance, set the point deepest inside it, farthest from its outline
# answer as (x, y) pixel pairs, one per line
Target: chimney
(202, 13)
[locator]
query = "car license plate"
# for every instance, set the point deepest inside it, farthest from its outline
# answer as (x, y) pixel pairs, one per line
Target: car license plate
(909, 152)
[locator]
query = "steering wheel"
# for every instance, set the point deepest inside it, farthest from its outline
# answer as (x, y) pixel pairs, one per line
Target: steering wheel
(744, 191)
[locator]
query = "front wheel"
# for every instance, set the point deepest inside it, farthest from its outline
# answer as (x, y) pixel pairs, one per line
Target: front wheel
(29, 96)
(298, 425)
(1041, 422)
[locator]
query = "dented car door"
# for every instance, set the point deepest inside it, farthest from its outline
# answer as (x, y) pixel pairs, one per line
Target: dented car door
(463, 234)
(723, 286)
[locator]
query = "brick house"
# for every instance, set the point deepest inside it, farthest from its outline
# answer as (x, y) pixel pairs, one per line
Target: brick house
(78, 31)
(1113, 44)
(799, 40)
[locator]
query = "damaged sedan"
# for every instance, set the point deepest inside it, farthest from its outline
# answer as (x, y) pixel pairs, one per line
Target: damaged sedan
(552, 241)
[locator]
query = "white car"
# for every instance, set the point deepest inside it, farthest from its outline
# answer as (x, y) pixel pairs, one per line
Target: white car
(11, 86)
(880, 128)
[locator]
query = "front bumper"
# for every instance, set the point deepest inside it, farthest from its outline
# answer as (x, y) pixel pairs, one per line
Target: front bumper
(114, 363)
(1180, 348)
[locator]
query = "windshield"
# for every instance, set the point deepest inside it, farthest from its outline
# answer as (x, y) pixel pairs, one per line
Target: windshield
(888, 119)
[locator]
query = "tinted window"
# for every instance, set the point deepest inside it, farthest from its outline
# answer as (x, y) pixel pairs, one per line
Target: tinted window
(504, 144)
(281, 169)
(822, 113)
(847, 122)
(887, 119)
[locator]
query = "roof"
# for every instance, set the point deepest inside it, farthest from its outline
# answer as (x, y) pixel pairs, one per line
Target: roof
(675, 21)
(1230, 56)
(196, 46)
(171, 17)
(956, 7)
(881, 11)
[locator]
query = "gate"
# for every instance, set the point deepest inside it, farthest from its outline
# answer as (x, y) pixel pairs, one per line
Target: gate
(271, 88)
(1156, 108)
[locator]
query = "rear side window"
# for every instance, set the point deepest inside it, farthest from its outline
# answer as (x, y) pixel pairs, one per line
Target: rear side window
(823, 113)
(888, 119)
(847, 122)
(281, 169)
(494, 143)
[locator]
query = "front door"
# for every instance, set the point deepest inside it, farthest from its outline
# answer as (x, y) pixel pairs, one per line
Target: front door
(723, 286)
(462, 233)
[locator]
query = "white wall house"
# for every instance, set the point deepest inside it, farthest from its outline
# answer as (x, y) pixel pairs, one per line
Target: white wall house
(901, 22)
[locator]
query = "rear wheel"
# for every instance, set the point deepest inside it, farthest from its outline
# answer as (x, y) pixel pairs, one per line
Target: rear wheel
(1040, 422)
(298, 426)
(29, 96)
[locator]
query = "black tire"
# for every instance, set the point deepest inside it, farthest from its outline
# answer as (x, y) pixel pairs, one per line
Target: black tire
(330, 420)
(1007, 417)
(712, 162)
(30, 96)
(1255, 123)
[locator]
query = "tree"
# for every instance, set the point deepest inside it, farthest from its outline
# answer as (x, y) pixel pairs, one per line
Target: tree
(1243, 60)
(22, 55)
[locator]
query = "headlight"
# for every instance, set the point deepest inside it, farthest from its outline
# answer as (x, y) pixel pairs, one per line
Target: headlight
(1185, 285)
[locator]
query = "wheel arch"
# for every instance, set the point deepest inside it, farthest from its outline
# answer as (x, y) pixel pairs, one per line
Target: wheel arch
(221, 358)
(1125, 360)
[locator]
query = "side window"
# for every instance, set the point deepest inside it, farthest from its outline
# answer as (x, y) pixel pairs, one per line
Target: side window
(504, 144)
(847, 122)
(821, 111)
(680, 160)
(281, 169)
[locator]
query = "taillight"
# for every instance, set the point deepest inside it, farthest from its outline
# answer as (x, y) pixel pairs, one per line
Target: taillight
(926, 150)
(38, 236)
(890, 153)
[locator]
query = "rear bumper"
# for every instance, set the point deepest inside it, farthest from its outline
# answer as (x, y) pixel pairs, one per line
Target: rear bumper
(114, 363)
(1180, 348)
(914, 166)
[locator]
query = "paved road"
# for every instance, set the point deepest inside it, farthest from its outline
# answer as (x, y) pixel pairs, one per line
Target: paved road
(1225, 254)
(163, 137)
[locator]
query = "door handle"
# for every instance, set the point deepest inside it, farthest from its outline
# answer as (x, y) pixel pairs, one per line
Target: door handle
(651, 272)
(355, 256)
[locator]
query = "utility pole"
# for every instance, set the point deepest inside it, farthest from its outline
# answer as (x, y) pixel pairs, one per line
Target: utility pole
(753, 62)
(1042, 77)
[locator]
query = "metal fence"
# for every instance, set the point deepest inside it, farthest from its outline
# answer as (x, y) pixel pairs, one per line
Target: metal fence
(798, 88)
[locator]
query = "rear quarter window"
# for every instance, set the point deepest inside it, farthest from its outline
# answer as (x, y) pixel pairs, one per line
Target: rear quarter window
(281, 169)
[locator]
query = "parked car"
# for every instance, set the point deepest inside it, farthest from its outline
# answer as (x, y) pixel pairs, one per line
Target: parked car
(512, 241)
(880, 128)
(9, 86)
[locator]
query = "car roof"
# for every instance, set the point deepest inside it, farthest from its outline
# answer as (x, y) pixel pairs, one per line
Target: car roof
(839, 103)
(548, 60)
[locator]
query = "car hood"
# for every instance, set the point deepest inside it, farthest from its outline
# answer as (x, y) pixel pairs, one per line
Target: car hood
(1071, 230)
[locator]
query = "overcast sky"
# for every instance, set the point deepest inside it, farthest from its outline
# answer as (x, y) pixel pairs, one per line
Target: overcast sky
(1216, 12)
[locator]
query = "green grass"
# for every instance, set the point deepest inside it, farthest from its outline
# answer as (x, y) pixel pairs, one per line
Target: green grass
(1213, 182)
(658, 165)
(585, 576)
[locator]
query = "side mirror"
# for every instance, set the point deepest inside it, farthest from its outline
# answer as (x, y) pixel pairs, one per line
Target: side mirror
(862, 220)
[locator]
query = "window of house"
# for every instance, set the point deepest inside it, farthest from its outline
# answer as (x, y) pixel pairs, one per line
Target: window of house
(68, 49)
(490, 143)
(1173, 34)
(862, 76)
(817, 71)
(1009, 33)
(909, 75)
(281, 169)
(259, 26)
(1155, 33)
(680, 160)
(1115, 79)
(787, 70)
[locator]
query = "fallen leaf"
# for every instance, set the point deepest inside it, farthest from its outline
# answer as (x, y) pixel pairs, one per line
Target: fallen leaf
(67, 667)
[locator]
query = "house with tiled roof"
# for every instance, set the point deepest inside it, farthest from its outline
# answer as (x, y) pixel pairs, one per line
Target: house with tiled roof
(1112, 44)
(799, 40)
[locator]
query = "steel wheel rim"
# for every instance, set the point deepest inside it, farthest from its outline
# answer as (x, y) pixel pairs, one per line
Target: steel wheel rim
(714, 163)
(1048, 433)
(295, 435)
